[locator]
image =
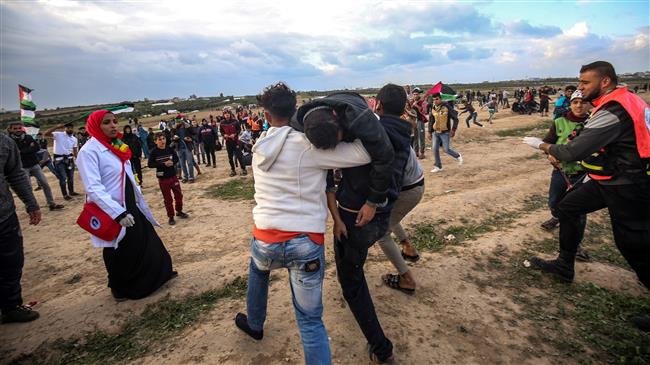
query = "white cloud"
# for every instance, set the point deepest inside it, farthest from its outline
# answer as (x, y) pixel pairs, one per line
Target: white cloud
(638, 42)
(578, 30)
(506, 57)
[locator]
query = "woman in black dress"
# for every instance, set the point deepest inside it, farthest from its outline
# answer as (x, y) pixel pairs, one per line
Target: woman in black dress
(136, 260)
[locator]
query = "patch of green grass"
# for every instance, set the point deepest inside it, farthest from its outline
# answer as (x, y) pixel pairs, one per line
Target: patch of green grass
(581, 321)
(235, 189)
(534, 202)
(599, 240)
(536, 129)
(138, 335)
(431, 235)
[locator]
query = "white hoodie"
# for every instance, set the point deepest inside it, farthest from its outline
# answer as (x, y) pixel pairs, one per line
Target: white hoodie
(290, 178)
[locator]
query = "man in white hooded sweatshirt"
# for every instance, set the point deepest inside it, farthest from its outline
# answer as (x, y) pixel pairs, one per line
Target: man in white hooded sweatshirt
(290, 220)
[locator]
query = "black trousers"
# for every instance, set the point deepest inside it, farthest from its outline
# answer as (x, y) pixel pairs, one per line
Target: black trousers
(209, 153)
(234, 151)
(350, 254)
(11, 263)
(629, 210)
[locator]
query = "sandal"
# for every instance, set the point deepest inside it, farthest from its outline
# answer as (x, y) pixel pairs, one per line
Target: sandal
(392, 281)
(410, 257)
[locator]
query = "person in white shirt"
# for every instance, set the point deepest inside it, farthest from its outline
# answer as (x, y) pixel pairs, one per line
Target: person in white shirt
(136, 260)
(65, 151)
(290, 220)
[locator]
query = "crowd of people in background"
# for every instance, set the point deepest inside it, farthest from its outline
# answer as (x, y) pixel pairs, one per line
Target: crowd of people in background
(361, 158)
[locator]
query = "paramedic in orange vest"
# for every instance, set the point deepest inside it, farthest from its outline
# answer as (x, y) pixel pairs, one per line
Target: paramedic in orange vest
(614, 149)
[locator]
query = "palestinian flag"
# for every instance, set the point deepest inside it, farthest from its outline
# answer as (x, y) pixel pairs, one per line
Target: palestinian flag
(27, 110)
(115, 109)
(446, 92)
(122, 108)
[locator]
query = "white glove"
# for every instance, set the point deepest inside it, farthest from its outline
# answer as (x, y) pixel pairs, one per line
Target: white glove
(533, 142)
(127, 221)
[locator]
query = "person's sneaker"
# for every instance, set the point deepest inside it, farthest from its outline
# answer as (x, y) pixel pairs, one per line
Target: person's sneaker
(191, 181)
(558, 267)
(56, 206)
(214, 166)
(184, 181)
(550, 224)
(436, 169)
(641, 322)
(232, 173)
(74, 193)
(37, 188)
(244, 173)
(182, 215)
(67, 197)
(19, 313)
(582, 255)
(241, 320)
(460, 159)
(171, 221)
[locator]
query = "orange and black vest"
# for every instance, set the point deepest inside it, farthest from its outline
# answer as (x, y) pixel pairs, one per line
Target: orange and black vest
(597, 165)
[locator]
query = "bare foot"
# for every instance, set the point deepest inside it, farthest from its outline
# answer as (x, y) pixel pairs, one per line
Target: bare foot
(408, 248)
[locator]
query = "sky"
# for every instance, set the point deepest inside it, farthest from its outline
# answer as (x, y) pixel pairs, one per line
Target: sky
(87, 52)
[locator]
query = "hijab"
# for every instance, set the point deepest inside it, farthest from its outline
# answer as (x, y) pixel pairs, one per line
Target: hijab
(115, 145)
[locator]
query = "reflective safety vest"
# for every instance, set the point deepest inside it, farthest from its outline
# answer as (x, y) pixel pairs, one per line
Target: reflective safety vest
(639, 111)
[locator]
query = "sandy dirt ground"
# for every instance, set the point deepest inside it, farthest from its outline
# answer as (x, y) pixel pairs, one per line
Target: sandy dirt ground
(449, 319)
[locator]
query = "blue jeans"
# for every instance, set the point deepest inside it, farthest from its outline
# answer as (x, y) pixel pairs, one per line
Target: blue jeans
(305, 261)
(145, 148)
(65, 173)
(186, 160)
(558, 189)
(444, 138)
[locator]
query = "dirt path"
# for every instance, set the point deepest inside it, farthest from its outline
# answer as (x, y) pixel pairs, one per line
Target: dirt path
(455, 317)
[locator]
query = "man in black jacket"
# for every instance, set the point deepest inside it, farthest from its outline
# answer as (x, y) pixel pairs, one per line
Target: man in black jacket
(619, 176)
(208, 136)
(29, 148)
(11, 238)
(365, 194)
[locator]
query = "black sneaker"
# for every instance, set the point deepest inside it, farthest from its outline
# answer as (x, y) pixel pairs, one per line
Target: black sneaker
(232, 173)
(19, 313)
(241, 320)
(37, 188)
(184, 180)
(74, 193)
(182, 215)
(561, 268)
(172, 221)
(56, 206)
(550, 224)
(244, 173)
(641, 322)
(67, 197)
